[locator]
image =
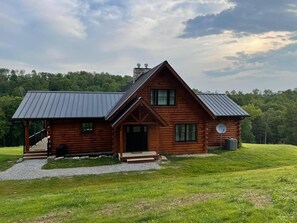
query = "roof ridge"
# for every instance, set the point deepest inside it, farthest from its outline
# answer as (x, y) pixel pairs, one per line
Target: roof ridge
(76, 92)
(202, 93)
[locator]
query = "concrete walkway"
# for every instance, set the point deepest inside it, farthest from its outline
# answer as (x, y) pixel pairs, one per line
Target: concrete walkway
(31, 169)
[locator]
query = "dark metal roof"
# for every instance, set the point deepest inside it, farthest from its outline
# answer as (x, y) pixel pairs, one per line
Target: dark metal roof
(133, 88)
(63, 104)
(221, 105)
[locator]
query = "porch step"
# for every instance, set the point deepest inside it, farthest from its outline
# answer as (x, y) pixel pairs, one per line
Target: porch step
(140, 160)
(35, 155)
(146, 156)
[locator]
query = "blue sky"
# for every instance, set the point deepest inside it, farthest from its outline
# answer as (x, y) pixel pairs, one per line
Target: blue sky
(215, 45)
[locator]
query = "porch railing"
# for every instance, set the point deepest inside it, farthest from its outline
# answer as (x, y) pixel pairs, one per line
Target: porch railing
(37, 137)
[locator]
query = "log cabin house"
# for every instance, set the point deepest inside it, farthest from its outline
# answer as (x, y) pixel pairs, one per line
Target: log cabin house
(157, 113)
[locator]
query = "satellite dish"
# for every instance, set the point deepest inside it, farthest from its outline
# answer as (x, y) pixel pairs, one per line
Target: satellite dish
(221, 128)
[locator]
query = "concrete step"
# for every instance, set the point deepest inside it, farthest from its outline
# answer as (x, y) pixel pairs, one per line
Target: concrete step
(139, 155)
(36, 154)
(140, 160)
(37, 151)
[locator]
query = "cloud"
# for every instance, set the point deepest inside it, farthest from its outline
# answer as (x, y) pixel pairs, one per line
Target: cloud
(113, 35)
(64, 17)
(245, 17)
(282, 60)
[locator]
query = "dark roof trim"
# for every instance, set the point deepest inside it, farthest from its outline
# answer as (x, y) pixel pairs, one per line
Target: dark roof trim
(134, 88)
(132, 107)
(190, 90)
(143, 79)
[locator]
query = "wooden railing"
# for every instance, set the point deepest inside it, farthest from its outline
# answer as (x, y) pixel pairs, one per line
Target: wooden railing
(37, 137)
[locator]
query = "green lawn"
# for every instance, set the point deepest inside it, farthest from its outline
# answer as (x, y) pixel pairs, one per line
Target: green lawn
(257, 183)
(9, 155)
(69, 163)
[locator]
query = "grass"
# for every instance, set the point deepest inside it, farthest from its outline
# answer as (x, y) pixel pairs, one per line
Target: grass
(8, 156)
(69, 163)
(257, 183)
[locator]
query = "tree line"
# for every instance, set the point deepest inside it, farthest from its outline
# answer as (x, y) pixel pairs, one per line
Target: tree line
(15, 83)
(273, 115)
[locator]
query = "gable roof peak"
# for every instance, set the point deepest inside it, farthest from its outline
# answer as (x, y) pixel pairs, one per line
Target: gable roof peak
(134, 87)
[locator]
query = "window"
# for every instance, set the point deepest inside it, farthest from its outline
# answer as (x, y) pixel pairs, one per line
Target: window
(185, 132)
(136, 129)
(162, 97)
(87, 127)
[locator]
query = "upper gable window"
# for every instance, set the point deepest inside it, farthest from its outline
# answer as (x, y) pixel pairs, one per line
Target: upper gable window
(163, 97)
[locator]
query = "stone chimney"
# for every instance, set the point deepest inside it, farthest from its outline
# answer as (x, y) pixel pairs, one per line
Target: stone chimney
(138, 71)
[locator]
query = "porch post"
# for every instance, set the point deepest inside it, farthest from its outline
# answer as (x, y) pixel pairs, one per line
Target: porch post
(45, 127)
(27, 135)
(158, 137)
(121, 141)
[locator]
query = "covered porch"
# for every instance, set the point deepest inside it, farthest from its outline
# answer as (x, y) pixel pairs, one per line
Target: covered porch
(136, 132)
(36, 145)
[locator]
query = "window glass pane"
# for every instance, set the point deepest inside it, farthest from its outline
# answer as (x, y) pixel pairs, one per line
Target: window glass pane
(162, 97)
(180, 132)
(171, 97)
(153, 101)
(191, 132)
(136, 129)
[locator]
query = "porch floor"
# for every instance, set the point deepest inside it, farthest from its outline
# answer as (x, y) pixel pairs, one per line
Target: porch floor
(41, 146)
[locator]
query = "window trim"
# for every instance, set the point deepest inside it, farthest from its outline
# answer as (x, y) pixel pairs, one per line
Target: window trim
(185, 139)
(154, 99)
(87, 130)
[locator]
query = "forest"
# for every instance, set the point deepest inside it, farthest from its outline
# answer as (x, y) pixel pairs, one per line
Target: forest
(15, 83)
(273, 115)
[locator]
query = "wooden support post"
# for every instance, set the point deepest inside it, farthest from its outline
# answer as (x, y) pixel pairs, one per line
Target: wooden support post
(27, 135)
(121, 141)
(158, 137)
(45, 127)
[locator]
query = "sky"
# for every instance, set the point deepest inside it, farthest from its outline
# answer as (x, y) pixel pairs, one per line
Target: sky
(214, 45)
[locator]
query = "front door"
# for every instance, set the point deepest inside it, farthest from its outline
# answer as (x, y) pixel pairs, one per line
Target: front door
(136, 138)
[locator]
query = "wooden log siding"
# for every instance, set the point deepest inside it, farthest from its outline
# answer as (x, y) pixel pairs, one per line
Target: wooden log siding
(69, 133)
(186, 110)
(233, 130)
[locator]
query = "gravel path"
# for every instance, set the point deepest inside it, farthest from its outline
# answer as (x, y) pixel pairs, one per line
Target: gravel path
(31, 169)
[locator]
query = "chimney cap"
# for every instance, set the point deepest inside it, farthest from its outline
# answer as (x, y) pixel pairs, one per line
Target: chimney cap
(138, 65)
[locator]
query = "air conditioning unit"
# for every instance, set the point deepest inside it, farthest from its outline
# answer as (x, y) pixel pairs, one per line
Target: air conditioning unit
(231, 144)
